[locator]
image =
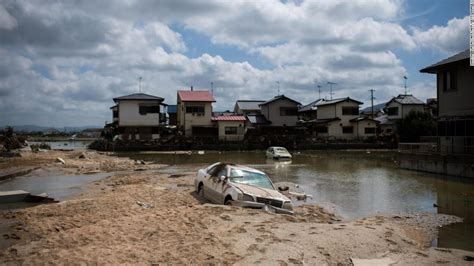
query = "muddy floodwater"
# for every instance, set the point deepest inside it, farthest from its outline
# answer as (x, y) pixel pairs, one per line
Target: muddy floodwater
(355, 184)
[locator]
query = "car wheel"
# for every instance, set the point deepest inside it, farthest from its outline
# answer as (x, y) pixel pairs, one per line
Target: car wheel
(228, 201)
(201, 190)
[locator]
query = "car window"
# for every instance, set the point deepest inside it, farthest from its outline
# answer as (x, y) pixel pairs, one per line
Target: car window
(222, 172)
(250, 178)
(215, 170)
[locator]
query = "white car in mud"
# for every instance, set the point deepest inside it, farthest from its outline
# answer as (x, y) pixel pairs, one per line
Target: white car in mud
(278, 153)
(237, 185)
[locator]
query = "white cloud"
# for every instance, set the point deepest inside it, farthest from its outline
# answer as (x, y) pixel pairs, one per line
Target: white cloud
(452, 38)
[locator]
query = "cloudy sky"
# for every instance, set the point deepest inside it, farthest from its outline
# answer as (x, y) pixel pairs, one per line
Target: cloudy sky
(62, 62)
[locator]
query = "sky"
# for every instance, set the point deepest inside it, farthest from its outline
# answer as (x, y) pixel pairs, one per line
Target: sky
(62, 62)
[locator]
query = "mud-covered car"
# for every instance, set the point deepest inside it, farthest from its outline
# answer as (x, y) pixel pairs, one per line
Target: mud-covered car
(277, 153)
(238, 185)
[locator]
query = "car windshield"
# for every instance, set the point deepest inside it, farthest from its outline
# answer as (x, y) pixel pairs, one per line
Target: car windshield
(250, 178)
(281, 150)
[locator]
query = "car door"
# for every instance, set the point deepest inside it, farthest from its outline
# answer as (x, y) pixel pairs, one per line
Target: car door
(218, 185)
(211, 183)
(208, 181)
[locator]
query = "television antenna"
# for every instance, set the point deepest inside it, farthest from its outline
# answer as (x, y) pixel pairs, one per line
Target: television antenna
(140, 84)
(330, 88)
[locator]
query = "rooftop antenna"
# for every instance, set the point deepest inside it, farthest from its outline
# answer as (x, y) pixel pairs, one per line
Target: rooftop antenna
(405, 79)
(278, 87)
(330, 88)
(140, 84)
(212, 88)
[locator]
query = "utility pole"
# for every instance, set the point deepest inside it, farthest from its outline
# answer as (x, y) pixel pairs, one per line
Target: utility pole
(212, 88)
(372, 100)
(330, 88)
(278, 87)
(140, 84)
(319, 90)
(405, 78)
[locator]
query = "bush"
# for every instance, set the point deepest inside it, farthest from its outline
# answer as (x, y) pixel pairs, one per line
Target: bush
(10, 140)
(415, 125)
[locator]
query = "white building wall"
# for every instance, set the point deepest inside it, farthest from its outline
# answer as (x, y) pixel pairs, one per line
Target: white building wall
(129, 114)
(395, 104)
(240, 130)
(271, 111)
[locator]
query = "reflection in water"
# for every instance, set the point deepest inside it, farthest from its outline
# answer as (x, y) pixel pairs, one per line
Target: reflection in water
(356, 184)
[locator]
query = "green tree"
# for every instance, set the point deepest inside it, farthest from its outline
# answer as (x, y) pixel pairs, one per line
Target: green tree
(415, 125)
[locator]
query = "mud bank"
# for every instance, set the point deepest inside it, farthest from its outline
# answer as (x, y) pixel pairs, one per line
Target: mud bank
(151, 217)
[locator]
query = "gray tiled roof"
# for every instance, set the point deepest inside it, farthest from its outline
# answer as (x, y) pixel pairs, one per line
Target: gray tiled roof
(406, 99)
(464, 55)
(280, 97)
(139, 96)
(249, 104)
(334, 101)
(258, 119)
(309, 107)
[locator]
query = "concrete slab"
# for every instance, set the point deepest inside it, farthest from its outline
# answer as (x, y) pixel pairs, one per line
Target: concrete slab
(13, 196)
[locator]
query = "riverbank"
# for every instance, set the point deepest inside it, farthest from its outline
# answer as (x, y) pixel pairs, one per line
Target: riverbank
(148, 216)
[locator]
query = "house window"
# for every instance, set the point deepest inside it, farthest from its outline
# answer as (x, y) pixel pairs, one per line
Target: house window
(322, 130)
(288, 111)
(230, 130)
(347, 130)
(369, 130)
(350, 110)
(195, 110)
(449, 81)
(392, 111)
(143, 109)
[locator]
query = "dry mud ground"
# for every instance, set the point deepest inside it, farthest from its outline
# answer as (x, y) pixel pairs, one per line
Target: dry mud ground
(107, 225)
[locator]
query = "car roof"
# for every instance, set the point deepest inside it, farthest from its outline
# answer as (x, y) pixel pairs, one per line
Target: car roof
(241, 167)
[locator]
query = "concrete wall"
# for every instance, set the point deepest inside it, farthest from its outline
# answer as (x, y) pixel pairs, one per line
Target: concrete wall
(240, 130)
(459, 102)
(129, 114)
(461, 166)
(271, 111)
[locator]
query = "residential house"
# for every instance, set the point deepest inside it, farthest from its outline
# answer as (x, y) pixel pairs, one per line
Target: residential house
(431, 107)
(397, 108)
(139, 116)
(172, 114)
(339, 119)
(309, 111)
(115, 114)
(400, 106)
(194, 114)
(230, 127)
(455, 94)
(281, 111)
(247, 107)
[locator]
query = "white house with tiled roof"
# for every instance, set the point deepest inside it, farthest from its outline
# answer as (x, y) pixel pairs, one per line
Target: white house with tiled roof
(400, 106)
(138, 116)
(281, 111)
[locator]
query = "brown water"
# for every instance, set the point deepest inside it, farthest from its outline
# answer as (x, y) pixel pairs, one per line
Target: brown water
(356, 184)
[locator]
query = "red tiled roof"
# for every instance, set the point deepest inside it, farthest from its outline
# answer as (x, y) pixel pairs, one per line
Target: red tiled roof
(229, 118)
(196, 96)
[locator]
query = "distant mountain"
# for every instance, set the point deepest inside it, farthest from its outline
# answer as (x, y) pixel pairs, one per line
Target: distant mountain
(377, 107)
(34, 128)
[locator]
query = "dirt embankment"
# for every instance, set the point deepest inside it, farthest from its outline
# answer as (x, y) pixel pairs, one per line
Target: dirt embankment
(148, 217)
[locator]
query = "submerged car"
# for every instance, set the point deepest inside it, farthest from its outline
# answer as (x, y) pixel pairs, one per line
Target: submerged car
(237, 185)
(278, 153)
